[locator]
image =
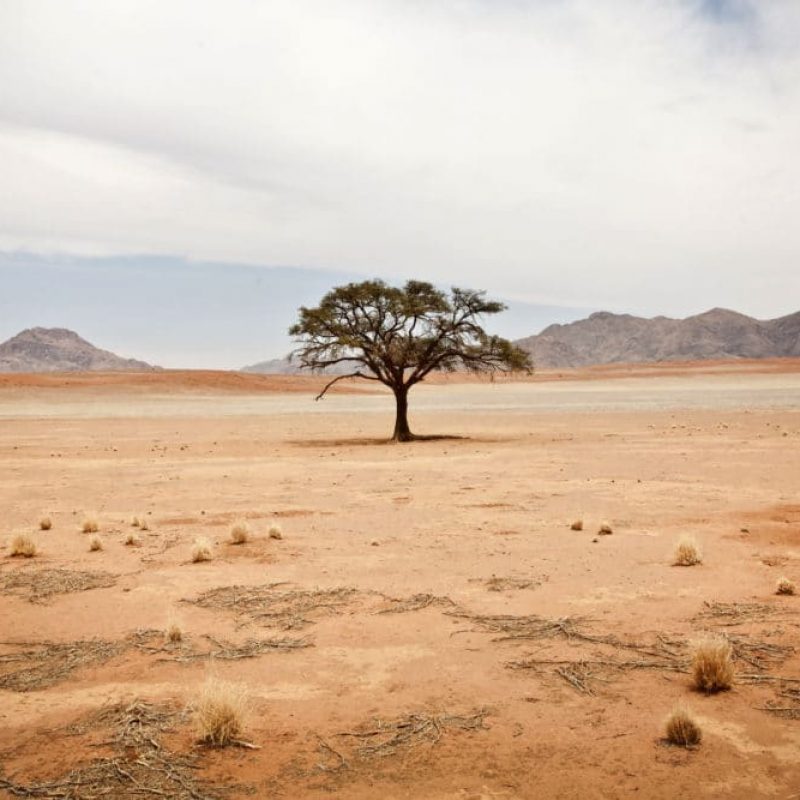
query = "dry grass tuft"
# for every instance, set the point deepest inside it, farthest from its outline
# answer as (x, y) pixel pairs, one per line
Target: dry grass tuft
(132, 540)
(785, 586)
(681, 728)
(605, 529)
(95, 544)
(174, 632)
(712, 664)
(140, 522)
(201, 550)
(240, 533)
(45, 523)
(577, 525)
(90, 525)
(275, 532)
(23, 545)
(219, 712)
(687, 553)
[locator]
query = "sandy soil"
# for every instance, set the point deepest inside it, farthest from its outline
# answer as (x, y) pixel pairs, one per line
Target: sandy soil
(421, 542)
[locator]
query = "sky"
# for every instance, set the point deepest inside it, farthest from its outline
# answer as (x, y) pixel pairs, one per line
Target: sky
(177, 176)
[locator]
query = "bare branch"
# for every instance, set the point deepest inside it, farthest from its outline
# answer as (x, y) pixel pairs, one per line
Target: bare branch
(341, 378)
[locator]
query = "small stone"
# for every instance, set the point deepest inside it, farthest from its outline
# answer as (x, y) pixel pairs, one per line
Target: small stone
(375, 543)
(577, 525)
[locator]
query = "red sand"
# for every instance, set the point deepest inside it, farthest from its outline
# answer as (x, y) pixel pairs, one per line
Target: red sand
(446, 516)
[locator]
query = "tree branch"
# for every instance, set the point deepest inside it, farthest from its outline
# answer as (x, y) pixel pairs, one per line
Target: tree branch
(341, 378)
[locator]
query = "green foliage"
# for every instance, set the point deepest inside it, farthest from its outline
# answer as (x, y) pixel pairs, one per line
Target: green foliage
(398, 336)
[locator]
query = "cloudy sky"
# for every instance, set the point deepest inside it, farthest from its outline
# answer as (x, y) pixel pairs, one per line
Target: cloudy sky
(567, 155)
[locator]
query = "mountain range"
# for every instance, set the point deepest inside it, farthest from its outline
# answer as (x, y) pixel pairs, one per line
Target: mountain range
(60, 350)
(602, 338)
(606, 338)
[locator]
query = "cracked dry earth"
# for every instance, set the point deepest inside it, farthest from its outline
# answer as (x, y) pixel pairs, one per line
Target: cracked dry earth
(429, 626)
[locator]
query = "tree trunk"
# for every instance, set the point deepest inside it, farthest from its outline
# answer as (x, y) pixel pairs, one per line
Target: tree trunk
(402, 433)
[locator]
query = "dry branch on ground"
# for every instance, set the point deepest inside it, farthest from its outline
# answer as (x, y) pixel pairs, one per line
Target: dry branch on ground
(140, 767)
(287, 609)
(728, 614)
(47, 663)
(383, 738)
(503, 584)
(226, 651)
(416, 602)
(38, 585)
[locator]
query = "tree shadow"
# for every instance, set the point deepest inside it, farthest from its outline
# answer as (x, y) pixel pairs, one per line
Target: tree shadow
(365, 442)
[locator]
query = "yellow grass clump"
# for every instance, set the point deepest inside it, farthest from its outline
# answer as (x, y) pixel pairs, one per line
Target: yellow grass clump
(201, 550)
(23, 545)
(785, 586)
(240, 533)
(140, 522)
(687, 553)
(45, 523)
(132, 540)
(577, 525)
(606, 529)
(174, 633)
(275, 531)
(712, 664)
(95, 544)
(682, 729)
(90, 525)
(219, 712)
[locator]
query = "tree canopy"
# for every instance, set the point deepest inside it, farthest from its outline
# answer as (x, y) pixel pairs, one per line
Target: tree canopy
(398, 336)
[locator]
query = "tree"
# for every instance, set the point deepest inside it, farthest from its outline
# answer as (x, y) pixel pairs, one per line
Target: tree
(398, 336)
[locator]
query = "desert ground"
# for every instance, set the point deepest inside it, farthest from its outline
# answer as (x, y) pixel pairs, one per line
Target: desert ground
(428, 626)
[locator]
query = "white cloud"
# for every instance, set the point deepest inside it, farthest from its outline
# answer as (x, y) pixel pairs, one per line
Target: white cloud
(628, 153)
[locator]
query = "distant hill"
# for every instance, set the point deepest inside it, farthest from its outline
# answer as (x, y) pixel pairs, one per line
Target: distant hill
(275, 366)
(605, 338)
(282, 366)
(60, 350)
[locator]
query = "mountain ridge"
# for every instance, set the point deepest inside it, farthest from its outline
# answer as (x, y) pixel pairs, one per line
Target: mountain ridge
(605, 337)
(608, 338)
(61, 350)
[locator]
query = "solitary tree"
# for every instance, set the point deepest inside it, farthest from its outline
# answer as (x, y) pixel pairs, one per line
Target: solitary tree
(399, 335)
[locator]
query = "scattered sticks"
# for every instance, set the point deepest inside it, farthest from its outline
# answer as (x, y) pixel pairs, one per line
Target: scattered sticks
(729, 614)
(48, 663)
(226, 651)
(384, 738)
(39, 585)
(504, 584)
(287, 609)
(140, 767)
(415, 603)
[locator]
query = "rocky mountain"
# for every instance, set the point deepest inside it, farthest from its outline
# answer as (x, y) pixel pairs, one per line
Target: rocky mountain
(605, 338)
(60, 350)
